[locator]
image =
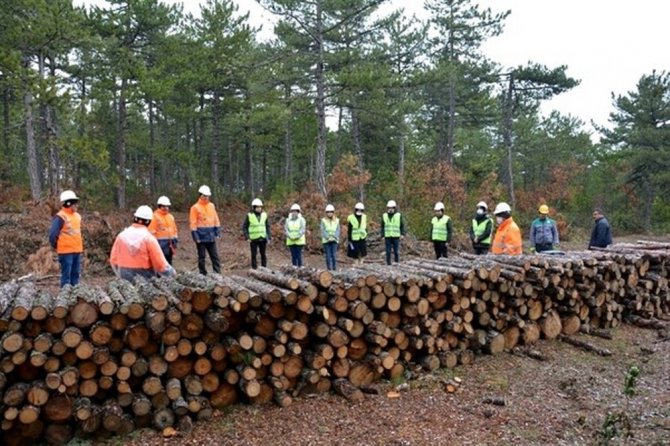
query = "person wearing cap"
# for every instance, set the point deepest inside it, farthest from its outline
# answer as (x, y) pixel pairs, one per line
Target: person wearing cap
(256, 229)
(294, 228)
(205, 229)
(164, 228)
(481, 229)
(543, 231)
(507, 239)
(601, 234)
(441, 230)
(330, 236)
(393, 229)
(136, 252)
(357, 233)
(65, 237)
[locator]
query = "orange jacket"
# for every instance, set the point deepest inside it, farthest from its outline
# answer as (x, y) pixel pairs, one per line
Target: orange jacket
(69, 239)
(163, 226)
(204, 221)
(507, 239)
(136, 249)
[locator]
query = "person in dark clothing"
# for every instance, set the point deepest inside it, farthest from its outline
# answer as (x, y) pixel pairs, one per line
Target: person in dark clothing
(393, 229)
(256, 229)
(601, 235)
(357, 233)
(481, 230)
(440, 230)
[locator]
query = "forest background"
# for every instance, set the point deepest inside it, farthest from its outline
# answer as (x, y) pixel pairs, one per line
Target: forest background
(136, 98)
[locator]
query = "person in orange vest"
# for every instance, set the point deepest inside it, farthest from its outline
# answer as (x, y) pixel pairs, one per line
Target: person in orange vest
(136, 252)
(164, 228)
(205, 229)
(65, 238)
(508, 236)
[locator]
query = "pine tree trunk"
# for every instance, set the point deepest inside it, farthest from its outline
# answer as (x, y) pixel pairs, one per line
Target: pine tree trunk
(121, 147)
(31, 147)
(322, 131)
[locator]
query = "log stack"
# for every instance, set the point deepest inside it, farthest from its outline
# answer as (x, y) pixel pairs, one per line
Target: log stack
(165, 353)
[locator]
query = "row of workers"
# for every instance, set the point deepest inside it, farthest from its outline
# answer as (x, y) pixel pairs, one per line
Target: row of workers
(146, 248)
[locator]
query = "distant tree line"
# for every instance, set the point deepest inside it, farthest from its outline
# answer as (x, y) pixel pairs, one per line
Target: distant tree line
(139, 98)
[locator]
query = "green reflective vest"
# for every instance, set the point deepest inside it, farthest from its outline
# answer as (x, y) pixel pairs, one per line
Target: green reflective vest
(257, 229)
(330, 225)
(479, 228)
(440, 228)
(293, 229)
(391, 225)
(358, 232)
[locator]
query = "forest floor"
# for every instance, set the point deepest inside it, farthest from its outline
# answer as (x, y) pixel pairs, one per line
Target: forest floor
(565, 400)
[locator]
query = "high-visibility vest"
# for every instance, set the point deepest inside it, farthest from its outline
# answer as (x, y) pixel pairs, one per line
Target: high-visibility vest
(257, 229)
(330, 224)
(163, 226)
(478, 229)
(135, 248)
(391, 225)
(203, 215)
(507, 239)
(439, 233)
(293, 226)
(69, 238)
(358, 232)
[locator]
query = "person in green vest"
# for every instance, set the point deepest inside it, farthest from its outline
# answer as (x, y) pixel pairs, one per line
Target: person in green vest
(393, 229)
(256, 230)
(294, 228)
(357, 232)
(543, 231)
(330, 236)
(441, 230)
(481, 229)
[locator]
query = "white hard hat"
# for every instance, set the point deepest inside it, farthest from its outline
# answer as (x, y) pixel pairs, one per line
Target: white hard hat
(501, 208)
(439, 206)
(163, 201)
(295, 207)
(359, 206)
(482, 204)
(144, 212)
(257, 202)
(330, 208)
(67, 195)
(391, 204)
(205, 190)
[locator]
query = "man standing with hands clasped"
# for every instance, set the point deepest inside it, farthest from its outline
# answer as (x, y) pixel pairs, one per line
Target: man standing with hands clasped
(205, 229)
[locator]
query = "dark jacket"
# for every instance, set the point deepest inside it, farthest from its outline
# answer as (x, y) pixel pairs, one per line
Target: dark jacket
(601, 235)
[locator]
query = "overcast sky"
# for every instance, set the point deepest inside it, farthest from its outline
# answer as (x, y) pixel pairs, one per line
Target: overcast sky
(606, 44)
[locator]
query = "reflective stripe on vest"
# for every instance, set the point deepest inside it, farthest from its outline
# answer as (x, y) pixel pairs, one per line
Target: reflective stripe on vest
(358, 232)
(391, 225)
(479, 228)
(69, 238)
(330, 224)
(440, 228)
(257, 229)
(293, 229)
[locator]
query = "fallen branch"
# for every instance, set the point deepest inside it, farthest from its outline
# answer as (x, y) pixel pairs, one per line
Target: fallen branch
(585, 345)
(599, 332)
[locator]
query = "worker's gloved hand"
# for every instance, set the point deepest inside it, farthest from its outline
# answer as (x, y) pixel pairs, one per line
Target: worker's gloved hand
(216, 233)
(194, 234)
(174, 242)
(169, 272)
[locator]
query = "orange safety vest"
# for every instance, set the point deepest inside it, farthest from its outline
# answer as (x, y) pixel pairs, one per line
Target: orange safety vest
(507, 239)
(136, 248)
(69, 238)
(163, 226)
(203, 215)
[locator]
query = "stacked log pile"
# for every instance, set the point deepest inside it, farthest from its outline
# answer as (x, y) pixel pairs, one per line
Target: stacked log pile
(166, 353)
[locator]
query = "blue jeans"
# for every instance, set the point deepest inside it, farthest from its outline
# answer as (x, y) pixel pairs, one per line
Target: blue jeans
(392, 244)
(70, 265)
(330, 249)
(296, 254)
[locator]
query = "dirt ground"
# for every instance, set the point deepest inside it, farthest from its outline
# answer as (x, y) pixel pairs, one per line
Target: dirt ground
(562, 401)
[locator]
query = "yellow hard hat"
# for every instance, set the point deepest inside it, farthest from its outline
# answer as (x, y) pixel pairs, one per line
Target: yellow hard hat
(544, 209)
